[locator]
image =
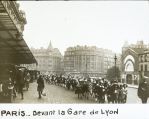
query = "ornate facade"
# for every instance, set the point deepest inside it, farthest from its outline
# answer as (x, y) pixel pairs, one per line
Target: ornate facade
(131, 62)
(144, 64)
(88, 60)
(49, 60)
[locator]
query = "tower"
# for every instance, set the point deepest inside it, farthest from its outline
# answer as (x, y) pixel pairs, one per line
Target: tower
(50, 46)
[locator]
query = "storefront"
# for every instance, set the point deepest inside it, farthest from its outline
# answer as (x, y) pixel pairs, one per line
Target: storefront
(13, 48)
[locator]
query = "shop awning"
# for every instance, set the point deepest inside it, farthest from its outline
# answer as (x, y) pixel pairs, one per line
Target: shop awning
(13, 48)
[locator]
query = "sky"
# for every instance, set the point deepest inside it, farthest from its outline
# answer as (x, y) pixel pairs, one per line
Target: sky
(105, 24)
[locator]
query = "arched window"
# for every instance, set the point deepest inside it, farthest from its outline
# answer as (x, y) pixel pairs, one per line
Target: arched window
(129, 66)
(129, 57)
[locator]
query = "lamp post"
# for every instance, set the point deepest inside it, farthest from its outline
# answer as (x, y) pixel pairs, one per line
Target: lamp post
(115, 59)
(86, 66)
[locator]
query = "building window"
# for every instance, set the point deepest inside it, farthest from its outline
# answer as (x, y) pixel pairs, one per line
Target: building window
(145, 58)
(141, 58)
(145, 67)
(141, 67)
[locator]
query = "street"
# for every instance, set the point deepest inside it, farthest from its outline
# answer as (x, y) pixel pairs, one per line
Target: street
(57, 95)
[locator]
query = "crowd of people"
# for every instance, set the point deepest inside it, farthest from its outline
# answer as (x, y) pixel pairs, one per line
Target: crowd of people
(14, 80)
(21, 82)
(99, 89)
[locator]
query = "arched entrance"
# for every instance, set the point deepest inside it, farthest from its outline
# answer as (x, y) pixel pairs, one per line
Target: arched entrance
(129, 66)
(129, 78)
(129, 69)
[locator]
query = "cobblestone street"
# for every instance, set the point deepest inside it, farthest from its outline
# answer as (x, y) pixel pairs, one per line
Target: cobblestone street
(57, 94)
(54, 94)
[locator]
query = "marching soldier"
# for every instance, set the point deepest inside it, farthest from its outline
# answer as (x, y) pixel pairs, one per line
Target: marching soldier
(40, 86)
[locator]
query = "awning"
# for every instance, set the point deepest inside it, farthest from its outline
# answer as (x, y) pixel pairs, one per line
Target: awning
(13, 48)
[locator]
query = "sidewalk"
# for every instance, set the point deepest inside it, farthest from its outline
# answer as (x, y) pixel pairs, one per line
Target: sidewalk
(133, 86)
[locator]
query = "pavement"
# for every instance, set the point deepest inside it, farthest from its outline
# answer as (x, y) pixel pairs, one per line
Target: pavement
(60, 95)
(133, 86)
(54, 94)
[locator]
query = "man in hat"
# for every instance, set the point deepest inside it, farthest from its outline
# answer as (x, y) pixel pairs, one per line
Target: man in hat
(143, 91)
(40, 86)
(20, 82)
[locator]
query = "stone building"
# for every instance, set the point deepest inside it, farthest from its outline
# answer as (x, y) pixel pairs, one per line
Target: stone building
(108, 60)
(88, 60)
(130, 62)
(49, 60)
(144, 64)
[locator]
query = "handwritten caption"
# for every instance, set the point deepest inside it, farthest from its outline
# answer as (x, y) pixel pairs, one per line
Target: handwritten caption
(69, 111)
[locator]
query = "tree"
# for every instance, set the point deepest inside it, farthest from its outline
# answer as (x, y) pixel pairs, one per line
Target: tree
(113, 73)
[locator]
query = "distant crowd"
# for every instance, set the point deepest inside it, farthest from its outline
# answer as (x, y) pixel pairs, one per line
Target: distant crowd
(99, 89)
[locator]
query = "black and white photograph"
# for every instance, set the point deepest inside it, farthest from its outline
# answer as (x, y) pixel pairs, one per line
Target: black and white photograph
(74, 52)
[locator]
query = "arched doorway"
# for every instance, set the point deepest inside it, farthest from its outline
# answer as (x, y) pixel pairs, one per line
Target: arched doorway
(129, 70)
(129, 78)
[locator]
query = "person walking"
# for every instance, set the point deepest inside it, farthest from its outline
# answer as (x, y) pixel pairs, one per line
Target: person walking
(143, 91)
(27, 81)
(40, 86)
(20, 83)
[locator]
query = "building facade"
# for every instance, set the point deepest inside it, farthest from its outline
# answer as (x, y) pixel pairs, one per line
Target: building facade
(144, 64)
(88, 60)
(49, 60)
(131, 62)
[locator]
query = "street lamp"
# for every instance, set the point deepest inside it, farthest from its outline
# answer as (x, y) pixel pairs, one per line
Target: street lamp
(86, 66)
(115, 59)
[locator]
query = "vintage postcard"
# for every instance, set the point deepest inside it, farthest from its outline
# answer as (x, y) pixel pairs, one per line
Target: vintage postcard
(83, 59)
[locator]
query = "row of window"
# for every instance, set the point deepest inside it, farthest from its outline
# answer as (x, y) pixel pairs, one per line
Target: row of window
(84, 58)
(144, 58)
(143, 67)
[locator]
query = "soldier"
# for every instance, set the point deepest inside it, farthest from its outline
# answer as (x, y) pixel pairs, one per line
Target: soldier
(101, 92)
(115, 89)
(143, 91)
(122, 97)
(40, 86)
(125, 92)
(27, 80)
(20, 82)
(96, 92)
